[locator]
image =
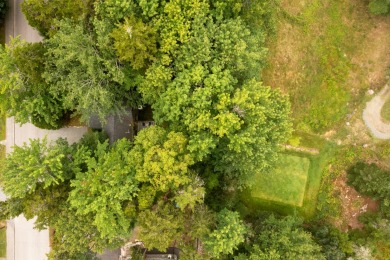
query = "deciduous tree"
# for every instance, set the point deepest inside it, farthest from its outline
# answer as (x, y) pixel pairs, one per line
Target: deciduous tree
(43, 15)
(284, 239)
(229, 233)
(24, 94)
(105, 190)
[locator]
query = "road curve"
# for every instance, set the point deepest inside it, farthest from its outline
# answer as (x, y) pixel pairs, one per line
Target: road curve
(372, 115)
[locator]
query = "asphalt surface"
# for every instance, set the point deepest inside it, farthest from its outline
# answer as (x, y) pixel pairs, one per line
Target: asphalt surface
(23, 241)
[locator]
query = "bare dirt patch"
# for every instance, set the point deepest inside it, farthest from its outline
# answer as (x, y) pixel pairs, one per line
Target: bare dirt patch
(353, 204)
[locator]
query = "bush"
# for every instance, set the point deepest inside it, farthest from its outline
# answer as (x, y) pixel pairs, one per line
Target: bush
(379, 6)
(370, 180)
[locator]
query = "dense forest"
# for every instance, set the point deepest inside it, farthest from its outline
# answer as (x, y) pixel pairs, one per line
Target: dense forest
(185, 181)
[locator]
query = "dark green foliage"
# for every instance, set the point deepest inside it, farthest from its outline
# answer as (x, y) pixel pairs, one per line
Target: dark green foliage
(375, 235)
(282, 238)
(335, 244)
(3, 10)
(370, 180)
(158, 228)
(379, 6)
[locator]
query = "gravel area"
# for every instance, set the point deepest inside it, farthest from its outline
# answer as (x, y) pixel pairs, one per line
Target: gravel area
(372, 115)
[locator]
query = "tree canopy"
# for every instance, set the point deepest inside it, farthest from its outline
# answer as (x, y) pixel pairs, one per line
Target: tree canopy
(197, 63)
(24, 93)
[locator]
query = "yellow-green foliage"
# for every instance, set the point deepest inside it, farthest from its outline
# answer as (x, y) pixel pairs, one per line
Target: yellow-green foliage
(135, 42)
(42, 14)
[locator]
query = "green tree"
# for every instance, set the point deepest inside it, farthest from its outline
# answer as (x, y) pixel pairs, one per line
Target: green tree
(263, 123)
(370, 180)
(24, 94)
(36, 164)
(284, 239)
(107, 189)
(90, 83)
(229, 233)
(43, 15)
(335, 244)
(37, 178)
(161, 158)
(191, 194)
(135, 42)
(198, 84)
(159, 228)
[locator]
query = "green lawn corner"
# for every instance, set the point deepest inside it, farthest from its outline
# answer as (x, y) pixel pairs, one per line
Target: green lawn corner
(286, 183)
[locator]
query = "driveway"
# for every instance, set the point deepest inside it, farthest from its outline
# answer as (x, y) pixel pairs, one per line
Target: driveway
(372, 115)
(23, 241)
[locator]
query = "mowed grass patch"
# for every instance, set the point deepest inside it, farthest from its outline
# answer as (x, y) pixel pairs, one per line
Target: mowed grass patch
(250, 205)
(286, 183)
(3, 242)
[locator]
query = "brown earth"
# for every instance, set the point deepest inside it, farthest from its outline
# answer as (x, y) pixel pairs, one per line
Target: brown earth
(353, 204)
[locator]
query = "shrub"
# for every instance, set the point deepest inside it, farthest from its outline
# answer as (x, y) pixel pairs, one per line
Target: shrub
(379, 6)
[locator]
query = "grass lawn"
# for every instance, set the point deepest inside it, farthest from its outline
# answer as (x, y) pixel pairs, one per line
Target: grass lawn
(385, 112)
(325, 57)
(294, 186)
(286, 183)
(3, 242)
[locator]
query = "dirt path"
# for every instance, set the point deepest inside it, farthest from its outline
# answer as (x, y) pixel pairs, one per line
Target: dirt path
(372, 115)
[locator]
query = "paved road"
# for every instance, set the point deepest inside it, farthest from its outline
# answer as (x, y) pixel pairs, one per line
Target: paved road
(372, 115)
(23, 241)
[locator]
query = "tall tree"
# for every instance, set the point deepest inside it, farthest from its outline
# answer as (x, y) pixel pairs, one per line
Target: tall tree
(283, 239)
(24, 94)
(161, 158)
(160, 228)
(43, 15)
(34, 165)
(107, 189)
(89, 82)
